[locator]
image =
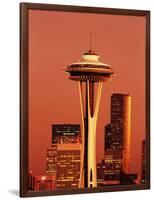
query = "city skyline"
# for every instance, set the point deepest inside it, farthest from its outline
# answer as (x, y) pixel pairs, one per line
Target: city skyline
(66, 140)
(55, 105)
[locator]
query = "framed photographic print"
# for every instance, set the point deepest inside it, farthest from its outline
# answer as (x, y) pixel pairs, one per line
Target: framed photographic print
(84, 99)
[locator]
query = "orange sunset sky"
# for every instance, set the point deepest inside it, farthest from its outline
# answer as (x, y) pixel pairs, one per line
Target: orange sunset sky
(57, 39)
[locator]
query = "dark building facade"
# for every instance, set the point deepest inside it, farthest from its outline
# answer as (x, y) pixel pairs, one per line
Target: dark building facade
(117, 143)
(128, 179)
(105, 174)
(117, 133)
(65, 133)
(108, 137)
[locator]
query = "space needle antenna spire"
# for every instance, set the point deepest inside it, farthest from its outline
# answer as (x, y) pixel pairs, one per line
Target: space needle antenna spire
(90, 41)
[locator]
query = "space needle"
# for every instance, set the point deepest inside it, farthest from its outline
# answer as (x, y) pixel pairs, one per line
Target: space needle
(90, 73)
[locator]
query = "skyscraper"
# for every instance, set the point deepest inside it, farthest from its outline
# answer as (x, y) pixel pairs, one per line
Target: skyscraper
(64, 156)
(121, 127)
(90, 71)
(117, 138)
(115, 166)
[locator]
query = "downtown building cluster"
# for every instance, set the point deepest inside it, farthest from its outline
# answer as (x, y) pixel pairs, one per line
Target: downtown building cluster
(114, 168)
(63, 158)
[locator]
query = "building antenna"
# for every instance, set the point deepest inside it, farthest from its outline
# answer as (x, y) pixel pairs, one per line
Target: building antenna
(90, 40)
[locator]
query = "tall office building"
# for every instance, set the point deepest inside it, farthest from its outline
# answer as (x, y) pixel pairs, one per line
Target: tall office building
(115, 165)
(143, 164)
(113, 158)
(120, 127)
(63, 158)
(117, 141)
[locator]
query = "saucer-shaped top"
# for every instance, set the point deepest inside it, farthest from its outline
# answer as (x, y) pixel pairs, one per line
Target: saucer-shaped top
(89, 68)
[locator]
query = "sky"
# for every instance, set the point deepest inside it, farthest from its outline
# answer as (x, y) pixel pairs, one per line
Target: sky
(57, 39)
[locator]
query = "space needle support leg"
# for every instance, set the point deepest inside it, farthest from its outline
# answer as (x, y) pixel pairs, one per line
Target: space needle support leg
(92, 122)
(100, 84)
(81, 180)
